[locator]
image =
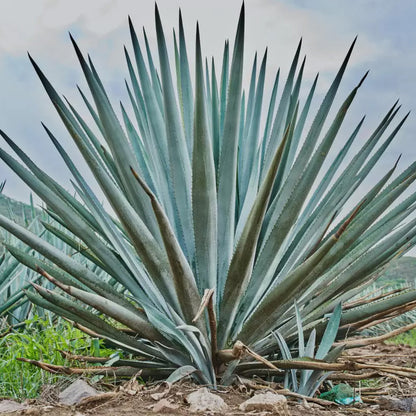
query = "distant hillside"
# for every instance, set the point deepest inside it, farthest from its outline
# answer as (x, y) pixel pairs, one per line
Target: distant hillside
(402, 270)
(18, 211)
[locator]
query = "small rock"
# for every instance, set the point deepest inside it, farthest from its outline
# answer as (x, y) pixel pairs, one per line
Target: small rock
(10, 406)
(266, 402)
(406, 404)
(76, 392)
(161, 395)
(164, 405)
(203, 400)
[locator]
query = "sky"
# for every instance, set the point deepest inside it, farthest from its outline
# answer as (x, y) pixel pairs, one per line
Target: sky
(386, 39)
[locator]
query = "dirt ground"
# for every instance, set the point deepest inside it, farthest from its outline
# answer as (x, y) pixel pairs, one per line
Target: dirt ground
(134, 399)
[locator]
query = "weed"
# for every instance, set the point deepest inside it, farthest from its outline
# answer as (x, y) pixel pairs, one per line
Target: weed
(407, 338)
(40, 339)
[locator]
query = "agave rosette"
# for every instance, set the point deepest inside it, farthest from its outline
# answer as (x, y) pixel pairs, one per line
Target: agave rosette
(205, 194)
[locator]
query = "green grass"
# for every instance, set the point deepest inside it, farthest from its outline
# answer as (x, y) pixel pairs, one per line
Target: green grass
(368, 382)
(407, 338)
(40, 339)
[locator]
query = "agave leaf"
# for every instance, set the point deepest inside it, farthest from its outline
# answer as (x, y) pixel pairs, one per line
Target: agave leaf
(208, 94)
(368, 166)
(151, 254)
(301, 339)
(134, 320)
(330, 333)
(248, 151)
(243, 259)
(204, 201)
(92, 111)
(186, 88)
(394, 217)
(311, 234)
(87, 316)
(180, 373)
(154, 110)
(52, 184)
(294, 96)
(227, 175)
(178, 154)
(285, 351)
(310, 224)
(282, 113)
(286, 206)
(146, 165)
(139, 113)
(104, 154)
(309, 144)
(287, 288)
(183, 277)
(310, 353)
(270, 112)
(373, 160)
(76, 245)
(228, 375)
(363, 262)
(65, 262)
(199, 353)
(64, 307)
(293, 204)
(177, 65)
(318, 377)
(362, 222)
(157, 88)
(224, 87)
(360, 269)
(329, 175)
(215, 114)
(13, 302)
(157, 178)
(301, 123)
(34, 263)
(96, 207)
(78, 227)
(336, 197)
(114, 135)
(250, 98)
(137, 101)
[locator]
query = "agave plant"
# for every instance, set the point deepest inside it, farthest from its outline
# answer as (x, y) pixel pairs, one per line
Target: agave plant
(219, 220)
(15, 277)
(309, 381)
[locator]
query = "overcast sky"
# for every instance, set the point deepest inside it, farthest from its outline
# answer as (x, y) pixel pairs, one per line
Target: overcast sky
(386, 46)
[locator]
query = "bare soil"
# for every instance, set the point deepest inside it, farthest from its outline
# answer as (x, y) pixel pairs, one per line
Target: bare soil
(134, 399)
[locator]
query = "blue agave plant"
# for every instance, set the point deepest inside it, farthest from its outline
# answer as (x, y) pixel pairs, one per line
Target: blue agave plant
(218, 220)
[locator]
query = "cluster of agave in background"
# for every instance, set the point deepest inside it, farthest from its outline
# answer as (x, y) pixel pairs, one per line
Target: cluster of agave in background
(15, 277)
(223, 244)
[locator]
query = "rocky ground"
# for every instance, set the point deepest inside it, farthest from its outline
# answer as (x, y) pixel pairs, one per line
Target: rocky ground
(383, 396)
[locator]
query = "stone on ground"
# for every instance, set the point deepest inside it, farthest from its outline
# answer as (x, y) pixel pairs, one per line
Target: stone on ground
(10, 406)
(203, 400)
(266, 402)
(406, 404)
(76, 392)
